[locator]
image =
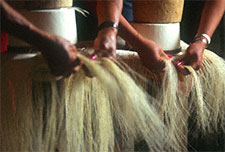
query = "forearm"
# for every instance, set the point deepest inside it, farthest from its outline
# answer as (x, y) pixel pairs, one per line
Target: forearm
(109, 10)
(15, 24)
(211, 16)
(129, 34)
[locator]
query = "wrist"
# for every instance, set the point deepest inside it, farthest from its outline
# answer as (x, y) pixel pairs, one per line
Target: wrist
(136, 40)
(108, 24)
(107, 30)
(107, 33)
(199, 42)
(198, 45)
(204, 38)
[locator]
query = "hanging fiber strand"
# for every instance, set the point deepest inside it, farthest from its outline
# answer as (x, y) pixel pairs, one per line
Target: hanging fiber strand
(89, 114)
(122, 101)
(199, 95)
(114, 106)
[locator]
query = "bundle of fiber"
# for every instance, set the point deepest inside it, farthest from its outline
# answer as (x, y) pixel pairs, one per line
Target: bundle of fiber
(111, 109)
(165, 89)
(199, 95)
(212, 86)
(122, 101)
(78, 113)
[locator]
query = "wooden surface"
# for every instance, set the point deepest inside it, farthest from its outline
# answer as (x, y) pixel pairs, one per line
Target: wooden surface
(40, 4)
(158, 11)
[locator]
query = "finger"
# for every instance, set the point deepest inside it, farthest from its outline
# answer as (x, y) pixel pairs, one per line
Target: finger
(158, 71)
(184, 59)
(180, 68)
(180, 63)
(193, 64)
(94, 57)
(169, 56)
(76, 62)
(108, 53)
(67, 70)
(110, 56)
(160, 68)
(99, 53)
(195, 67)
(76, 68)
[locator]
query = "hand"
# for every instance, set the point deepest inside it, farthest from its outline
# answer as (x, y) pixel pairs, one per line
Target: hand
(193, 56)
(61, 56)
(105, 43)
(151, 55)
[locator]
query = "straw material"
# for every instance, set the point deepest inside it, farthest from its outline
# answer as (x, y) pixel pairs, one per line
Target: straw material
(199, 95)
(122, 101)
(78, 113)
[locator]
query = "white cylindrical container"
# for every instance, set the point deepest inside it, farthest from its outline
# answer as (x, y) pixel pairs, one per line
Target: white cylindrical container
(61, 22)
(166, 35)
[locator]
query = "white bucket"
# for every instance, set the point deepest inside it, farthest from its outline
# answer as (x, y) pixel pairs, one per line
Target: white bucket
(61, 22)
(167, 35)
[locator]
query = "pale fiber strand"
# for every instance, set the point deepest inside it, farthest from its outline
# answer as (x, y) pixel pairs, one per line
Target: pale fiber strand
(143, 116)
(94, 114)
(165, 98)
(213, 76)
(207, 96)
(118, 94)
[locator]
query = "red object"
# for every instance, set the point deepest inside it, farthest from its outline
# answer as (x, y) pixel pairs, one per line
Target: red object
(179, 63)
(4, 42)
(93, 57)
(170, 56)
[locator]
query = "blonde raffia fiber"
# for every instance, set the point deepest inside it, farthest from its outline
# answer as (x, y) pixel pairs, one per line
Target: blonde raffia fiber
(128, 113)
(206, 100)
(95, 114)
(165, 98)
(77, 114)
(212, 76)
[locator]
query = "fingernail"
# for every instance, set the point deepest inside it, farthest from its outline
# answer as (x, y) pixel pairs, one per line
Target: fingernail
(179, 63)
(170, 56)
(93, 57)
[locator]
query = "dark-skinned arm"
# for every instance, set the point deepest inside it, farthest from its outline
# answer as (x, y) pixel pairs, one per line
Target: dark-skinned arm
(59, 52)
(150, 53)
(105, 43)
(212, 13)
